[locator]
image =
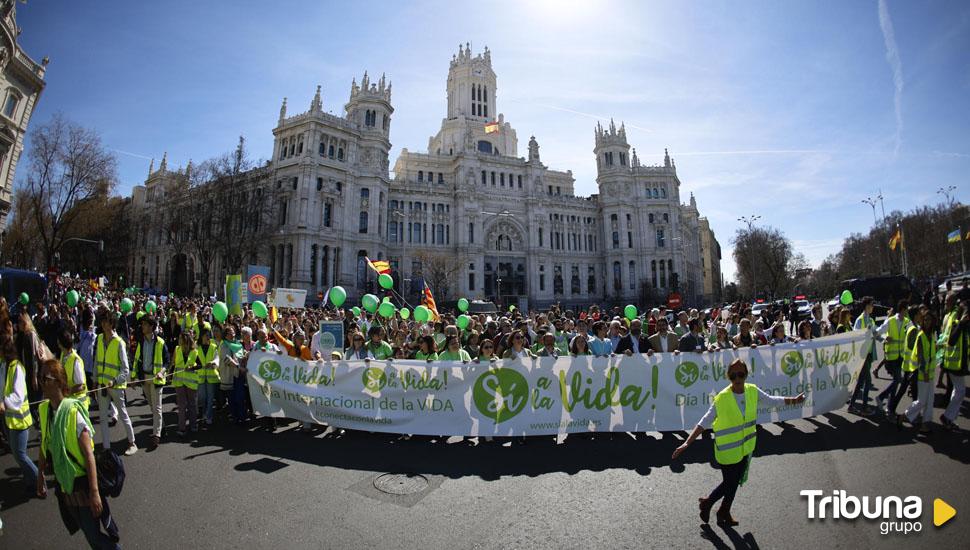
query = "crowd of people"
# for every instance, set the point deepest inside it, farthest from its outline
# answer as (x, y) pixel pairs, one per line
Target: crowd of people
(108, 342)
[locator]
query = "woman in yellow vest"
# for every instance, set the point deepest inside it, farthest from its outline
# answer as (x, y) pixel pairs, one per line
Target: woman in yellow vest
(923, 360)
(72, 364)
(185, 380)
(15, 408)
(208, 352)
(67, 443)
(956, 363)
(734, 416)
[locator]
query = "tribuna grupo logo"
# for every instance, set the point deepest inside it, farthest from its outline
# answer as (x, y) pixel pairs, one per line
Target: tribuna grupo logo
(902, 515)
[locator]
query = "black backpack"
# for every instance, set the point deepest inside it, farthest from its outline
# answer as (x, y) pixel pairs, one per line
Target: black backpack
(111, 473)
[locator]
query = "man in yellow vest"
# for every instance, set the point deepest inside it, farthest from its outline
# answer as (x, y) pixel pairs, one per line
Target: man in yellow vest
(906, 366)
(111, 373)
(893, 329)
(733, 415)
(151, 358)
(923, 358)
(864, 383)
(955, 364)
(73, 365)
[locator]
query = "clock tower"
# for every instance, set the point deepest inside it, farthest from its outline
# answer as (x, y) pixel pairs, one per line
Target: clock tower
(471, 86)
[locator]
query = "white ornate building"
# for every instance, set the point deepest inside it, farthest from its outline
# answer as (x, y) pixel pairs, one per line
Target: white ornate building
(21, 81)
(497, 225)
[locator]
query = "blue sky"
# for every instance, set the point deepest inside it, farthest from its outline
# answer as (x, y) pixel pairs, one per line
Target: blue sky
(795, 111)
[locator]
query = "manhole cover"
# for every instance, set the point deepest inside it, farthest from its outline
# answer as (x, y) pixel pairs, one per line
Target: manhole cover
(401, 484)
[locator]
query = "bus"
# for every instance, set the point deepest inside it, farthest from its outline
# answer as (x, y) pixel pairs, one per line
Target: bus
(15, 281)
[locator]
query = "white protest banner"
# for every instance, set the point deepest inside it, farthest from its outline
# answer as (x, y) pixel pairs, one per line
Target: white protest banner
(662, 392)
(289, 297)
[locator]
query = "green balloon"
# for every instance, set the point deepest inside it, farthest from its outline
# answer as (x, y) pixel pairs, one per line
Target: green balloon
(462, 305)
(370, 302)
(386, 310)
(338, 296)
(259, 309)
(150, 306)
(386, 299)
(385, 281)
(127, 305)
(463, 321)
(24, 298)
(405, 313)
(72, 297)
(422, 314)
(220, 311)
(630, 312)
(846, 297)
(139, 315)
(511, 308)
(356, 311)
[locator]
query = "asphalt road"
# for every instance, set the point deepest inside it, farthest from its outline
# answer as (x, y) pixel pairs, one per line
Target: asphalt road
(256, 488)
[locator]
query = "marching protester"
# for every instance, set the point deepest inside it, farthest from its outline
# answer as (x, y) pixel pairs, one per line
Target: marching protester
(111, 359)
(208, 354)
(923, 359)
(72, 363)
(67, 444)
(16, 409)
(152, 361)
(185, 380)
(955, 364)
(733, 415)
(894, 330)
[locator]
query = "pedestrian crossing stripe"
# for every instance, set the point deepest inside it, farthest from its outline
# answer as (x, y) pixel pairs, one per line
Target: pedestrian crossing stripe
(942, 512)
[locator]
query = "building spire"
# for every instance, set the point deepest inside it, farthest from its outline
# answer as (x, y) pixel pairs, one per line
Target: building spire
(666, 158)
(317, 104)
(151, 167)
(283, 110)
(163, 167)
(188, 170)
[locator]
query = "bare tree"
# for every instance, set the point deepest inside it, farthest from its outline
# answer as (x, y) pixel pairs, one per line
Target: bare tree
(67, 166)
(440, 270)
(22, 242)
(765, 261)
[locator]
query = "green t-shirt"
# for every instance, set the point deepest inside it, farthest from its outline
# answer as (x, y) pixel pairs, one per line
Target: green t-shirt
(426, 356)
(460, 355)
(380, 351)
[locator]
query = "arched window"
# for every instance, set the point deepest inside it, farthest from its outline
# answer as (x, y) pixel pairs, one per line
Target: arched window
(663, 192)
(484, 177)
(485, 146)
(364, 193)
(617, 277)
(330, 152)
(656, 194)
(650, 217)
(653, 272)
(420, 175)
(363, 223)
(633, 275)
(340, 153)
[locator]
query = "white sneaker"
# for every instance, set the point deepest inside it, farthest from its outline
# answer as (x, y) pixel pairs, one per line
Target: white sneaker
(132, 449)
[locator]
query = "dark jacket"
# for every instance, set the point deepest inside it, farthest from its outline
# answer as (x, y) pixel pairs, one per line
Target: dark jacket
(626, 343)
(689, 342)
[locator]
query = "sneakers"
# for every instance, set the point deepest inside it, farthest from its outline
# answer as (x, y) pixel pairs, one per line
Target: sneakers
(132, 449)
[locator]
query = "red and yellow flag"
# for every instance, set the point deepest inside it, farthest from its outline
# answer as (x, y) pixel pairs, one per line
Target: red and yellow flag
(428, 301)
(491, 127)
(380, 266)
(896, 239)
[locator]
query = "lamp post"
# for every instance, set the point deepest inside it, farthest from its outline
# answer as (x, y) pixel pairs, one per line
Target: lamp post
(749, 221)
(947, 193)
(498, 276)
(398, 214)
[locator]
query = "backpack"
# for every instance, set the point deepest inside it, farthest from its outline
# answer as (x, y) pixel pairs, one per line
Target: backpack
(111, 473)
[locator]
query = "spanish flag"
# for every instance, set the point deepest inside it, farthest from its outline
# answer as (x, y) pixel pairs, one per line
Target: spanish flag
(953, 236)
(491, 127)
(380, 266)
(428, 301)
(896, 239)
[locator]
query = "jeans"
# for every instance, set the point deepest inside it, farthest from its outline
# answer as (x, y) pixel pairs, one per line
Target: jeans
(238, 398)
(732, 474)
(116, 397)
(91, 527)
(923, 406)
(18, 444)
(909, 379)
(153, 394)
(207, 396)
(185, 400)
(956, 398)
(894, 368)
(863, 385)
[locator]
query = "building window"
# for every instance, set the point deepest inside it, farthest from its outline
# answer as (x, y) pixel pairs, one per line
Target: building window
(363, 223)
(327, 214)
(386, 122)
(617, 277)
(575, 287)
(666, 217)
(542, 282)
(520, 181)
(420, 175)
(313, 265)
(629, 239)
(441, 177)
(364, 193)
(557, 279)
(471, 232)
(623, 159)
(653, 272)
(540, 236)
(591, 280)
(493, 179)
(660, 238)
(663, 192)
(633, 276)
(616, 239)
(484, 178)
(392, 232)
(663, 275)
(502, 179)
(319, 184)
(282, 219)
(485, 146)
(322, 149)
(650, 218)
(656, 194)
(441, 233)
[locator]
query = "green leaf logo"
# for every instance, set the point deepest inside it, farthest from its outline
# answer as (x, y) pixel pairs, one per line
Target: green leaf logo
(792, 362)
(687, 373)
(500, 393)
(373, 379)
(270, 370)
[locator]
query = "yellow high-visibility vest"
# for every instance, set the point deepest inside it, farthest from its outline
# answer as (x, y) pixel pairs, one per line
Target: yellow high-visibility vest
(734, 434)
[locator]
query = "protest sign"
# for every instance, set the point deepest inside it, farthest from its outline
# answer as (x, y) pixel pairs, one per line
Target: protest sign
(234, 294)
(257, 282)
(662, 392)
(331, 337)
(289, 297)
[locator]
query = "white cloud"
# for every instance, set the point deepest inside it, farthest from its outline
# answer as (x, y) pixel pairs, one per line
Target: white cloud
(892, 56)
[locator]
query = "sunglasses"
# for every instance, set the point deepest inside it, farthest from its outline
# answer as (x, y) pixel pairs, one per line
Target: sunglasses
(737, 375)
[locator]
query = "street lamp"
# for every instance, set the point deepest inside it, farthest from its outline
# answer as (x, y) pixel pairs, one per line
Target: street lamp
(397, 214)
(498, 277)
(749, 220)
(872, 202)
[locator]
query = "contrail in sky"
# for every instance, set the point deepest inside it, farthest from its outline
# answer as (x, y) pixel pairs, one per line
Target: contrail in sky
(580, 113)
(136, 155)
(892, 56)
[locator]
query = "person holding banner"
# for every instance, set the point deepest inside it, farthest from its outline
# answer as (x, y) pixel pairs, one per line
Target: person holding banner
(356, 349)
(453, 351)
(426, 349)
(518, 350)
(377, 348)
(733, 415)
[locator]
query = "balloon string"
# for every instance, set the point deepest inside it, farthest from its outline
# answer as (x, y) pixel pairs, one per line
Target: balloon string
(98, 389)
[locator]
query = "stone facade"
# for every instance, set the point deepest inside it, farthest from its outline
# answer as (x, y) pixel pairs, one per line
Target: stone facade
(710, 263)
(468, 215)
(21, 81)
